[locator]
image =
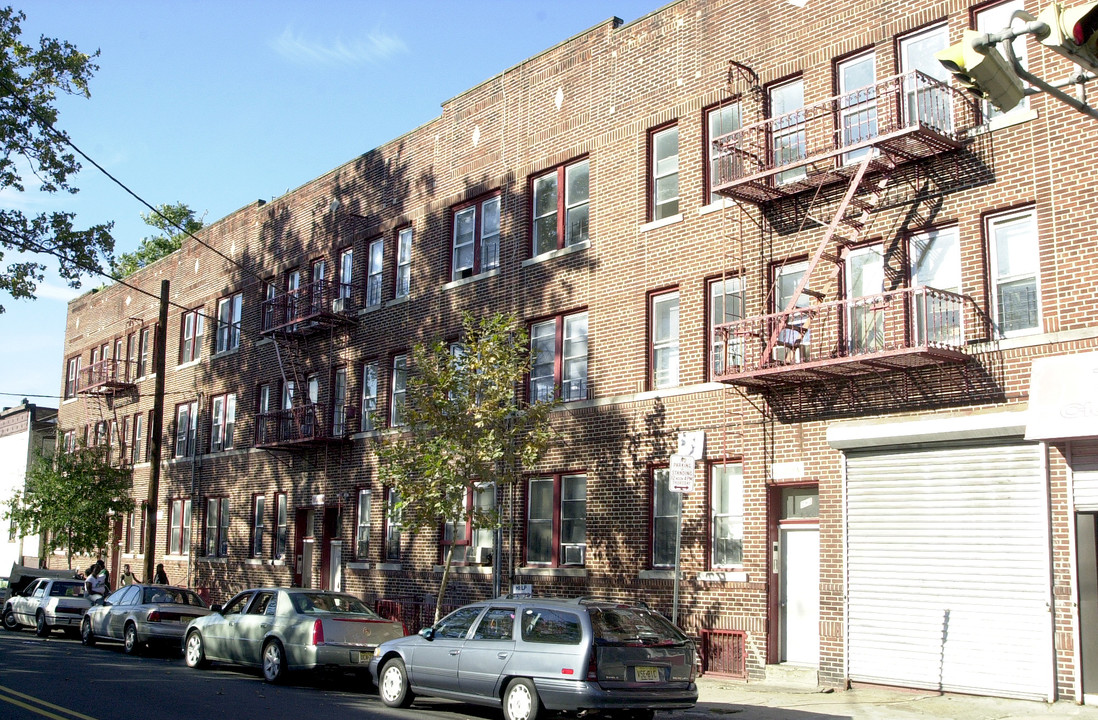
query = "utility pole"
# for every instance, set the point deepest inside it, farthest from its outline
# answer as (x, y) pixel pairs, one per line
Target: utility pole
(156, 431)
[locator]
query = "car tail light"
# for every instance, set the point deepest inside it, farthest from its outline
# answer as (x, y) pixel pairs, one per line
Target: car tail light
(593, 669)
(318, 632)
(154, 616)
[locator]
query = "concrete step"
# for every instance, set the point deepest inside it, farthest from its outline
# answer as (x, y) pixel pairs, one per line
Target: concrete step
(792, 675)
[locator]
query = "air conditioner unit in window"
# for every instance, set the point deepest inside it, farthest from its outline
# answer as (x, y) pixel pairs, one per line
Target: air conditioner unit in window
(480, 555)
(574, 554)
(339, 305)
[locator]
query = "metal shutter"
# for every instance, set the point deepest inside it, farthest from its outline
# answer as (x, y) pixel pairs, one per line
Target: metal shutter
(1084, 470)
(948, 571)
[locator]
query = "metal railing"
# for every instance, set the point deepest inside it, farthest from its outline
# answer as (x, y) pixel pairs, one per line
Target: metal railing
(909, 319)
(724, 652)
(303, 424)
(313, 301)
(106, 374)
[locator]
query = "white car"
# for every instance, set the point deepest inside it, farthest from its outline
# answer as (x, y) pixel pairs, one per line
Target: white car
(48, 604)
(139, 615)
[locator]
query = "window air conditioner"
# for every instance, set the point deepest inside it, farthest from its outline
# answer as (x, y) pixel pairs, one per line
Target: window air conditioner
(481, 555)
(574, 554)
(339, 305)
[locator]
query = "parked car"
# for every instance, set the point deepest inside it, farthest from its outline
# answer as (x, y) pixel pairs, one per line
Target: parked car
(138, 615)
(283, 630)
(5, 591)
(523, 655)
(47, 604)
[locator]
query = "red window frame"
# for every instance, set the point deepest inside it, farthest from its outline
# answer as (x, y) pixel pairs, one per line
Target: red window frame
(197, 337)
(478, 230)
(555, 559)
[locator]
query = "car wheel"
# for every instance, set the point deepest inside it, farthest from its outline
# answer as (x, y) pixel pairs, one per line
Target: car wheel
(392, 685)
(10, 623)
(193, 652)
(129, 639)
(41, 629)
(274, 662)
(520, 700)
(87, 637)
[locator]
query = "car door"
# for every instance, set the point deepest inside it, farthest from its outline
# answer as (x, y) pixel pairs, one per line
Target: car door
(436, 661)
(26, 606)
(125, 599)
(100, 617)
(487, 652)
(248, 629)
(219, 632)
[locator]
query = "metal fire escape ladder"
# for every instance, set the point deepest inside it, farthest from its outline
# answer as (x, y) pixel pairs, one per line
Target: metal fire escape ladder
(287, 350)
(860, 194)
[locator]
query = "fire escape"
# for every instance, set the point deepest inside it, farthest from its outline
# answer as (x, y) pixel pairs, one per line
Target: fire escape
(293, 319)
(868, 140)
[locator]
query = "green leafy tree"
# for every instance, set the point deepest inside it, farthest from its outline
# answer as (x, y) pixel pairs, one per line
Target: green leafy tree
(174, 221)
(30, 79)
(67, 499)
(465, 426)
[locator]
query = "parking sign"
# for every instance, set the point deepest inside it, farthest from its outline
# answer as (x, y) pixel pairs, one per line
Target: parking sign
(682, 474)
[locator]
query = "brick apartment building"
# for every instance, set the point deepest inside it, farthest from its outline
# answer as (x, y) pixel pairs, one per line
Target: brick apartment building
(763, 234)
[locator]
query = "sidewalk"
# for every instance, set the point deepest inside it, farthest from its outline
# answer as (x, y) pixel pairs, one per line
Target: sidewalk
(718, 697)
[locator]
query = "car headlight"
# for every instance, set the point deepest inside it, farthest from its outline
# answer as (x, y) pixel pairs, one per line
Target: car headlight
(377, 651)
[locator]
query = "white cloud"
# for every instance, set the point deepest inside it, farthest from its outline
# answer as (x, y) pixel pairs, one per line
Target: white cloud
(64, 293)
(377, 47)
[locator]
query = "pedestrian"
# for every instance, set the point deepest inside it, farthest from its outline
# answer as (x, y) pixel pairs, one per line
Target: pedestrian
(95, 586)
(127, 577)
(160, 577)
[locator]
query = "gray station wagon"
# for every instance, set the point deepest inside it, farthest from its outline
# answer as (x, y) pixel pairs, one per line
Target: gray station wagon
(523, 655)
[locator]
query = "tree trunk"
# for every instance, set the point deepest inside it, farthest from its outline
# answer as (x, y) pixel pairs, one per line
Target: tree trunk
(442, 583)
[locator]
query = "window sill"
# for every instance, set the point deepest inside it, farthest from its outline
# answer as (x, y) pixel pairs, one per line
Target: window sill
(188, 364)
(69, 401)
(358, 566)
(255, 562)
(722, 576)
(370, 309)
(366, 434)
(656, 224)
(218, 560)
(554, 254)
(717, 206)
(177, 558)
(226, 353)
(398, 301)
(264, 341)
(1014, 117)
(393, 567)
(659, 575)
(466, 569)
(471, 279)
(551, 572)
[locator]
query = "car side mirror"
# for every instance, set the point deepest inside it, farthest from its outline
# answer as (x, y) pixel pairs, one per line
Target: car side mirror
(427, 633)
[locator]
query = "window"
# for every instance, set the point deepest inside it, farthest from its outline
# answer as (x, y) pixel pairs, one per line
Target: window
(795, 341)
(718, 121)
(228, 322)
(404, 263)
(132, 526)
(556, 529)
(373, 272)
(476, 238)
(936, 263)
(472, 537)
(145, 352)
(664, 345)
(560, 358)
(726, 508)
(72, 375)
(131, 357)
(119, 357)
(190, 336)
(788, 141)
(926, 104)
(217, 527)
(179, 527)
(362, 527)
(139, 542)
(664, 154)
(223, 420)
(369, 395)
(993, 19)
(125, 455)
(561, 218)
(399, 390)
(665, 518)
(726, 304)
(269, 294)
(857, 104)
(287, 394)
(393, 517)
(186, 427)
(259, 525)
(262, 408)
(137, 449)
(281, 526)
(339, 402)
(864, 275)
(346, 268)
(69, 441)
(1012, 238)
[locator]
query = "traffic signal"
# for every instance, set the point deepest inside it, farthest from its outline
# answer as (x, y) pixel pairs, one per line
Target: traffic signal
(1073, 32)
(982, 70)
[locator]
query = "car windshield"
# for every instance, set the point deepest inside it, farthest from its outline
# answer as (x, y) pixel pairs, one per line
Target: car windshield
(315, 603)
(67, 590)
(632, 626)
(176, 596)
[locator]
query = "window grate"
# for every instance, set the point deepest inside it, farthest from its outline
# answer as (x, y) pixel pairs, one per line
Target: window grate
(723, 652)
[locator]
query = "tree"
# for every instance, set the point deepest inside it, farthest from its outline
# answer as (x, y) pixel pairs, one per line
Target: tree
(68, 498)
(175, 222)
(464, 428)
(30, 79)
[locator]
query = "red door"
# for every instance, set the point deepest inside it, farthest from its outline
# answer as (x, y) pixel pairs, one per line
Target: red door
(330, 532)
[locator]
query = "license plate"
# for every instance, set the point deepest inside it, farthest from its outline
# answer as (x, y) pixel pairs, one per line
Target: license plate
(364, 656)
(646, 673)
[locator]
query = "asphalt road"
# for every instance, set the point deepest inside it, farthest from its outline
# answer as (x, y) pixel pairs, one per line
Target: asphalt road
(59, 678)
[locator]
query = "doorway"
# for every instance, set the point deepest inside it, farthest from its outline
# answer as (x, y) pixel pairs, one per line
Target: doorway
(328, 561)
(799, 576)
(303, 541)
(1086, 532)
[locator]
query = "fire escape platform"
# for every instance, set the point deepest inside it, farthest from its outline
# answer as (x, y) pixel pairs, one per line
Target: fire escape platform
(310, 308)
(105, 377)
(302, 427)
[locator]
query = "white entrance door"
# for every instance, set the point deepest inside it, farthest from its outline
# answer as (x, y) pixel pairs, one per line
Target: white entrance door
(800, 594)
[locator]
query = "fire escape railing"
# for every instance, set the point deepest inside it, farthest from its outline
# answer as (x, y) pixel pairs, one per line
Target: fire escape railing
(901, 118)
(317, 303)
(106, 376)
(894, 329)
(310, 424)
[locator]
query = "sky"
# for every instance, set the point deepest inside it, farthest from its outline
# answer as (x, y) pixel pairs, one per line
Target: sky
(219, 104)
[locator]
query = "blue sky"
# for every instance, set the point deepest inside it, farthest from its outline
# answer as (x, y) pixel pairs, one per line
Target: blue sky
(218, 104)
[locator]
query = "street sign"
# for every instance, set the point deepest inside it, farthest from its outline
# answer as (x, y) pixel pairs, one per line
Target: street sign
(682, 474)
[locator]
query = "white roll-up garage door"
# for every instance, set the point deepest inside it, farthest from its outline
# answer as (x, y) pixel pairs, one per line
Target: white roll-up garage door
(1084, 473)
(948, 571)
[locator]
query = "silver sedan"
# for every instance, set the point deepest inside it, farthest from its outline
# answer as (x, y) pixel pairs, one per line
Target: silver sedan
(137, 615)
(283, 630)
